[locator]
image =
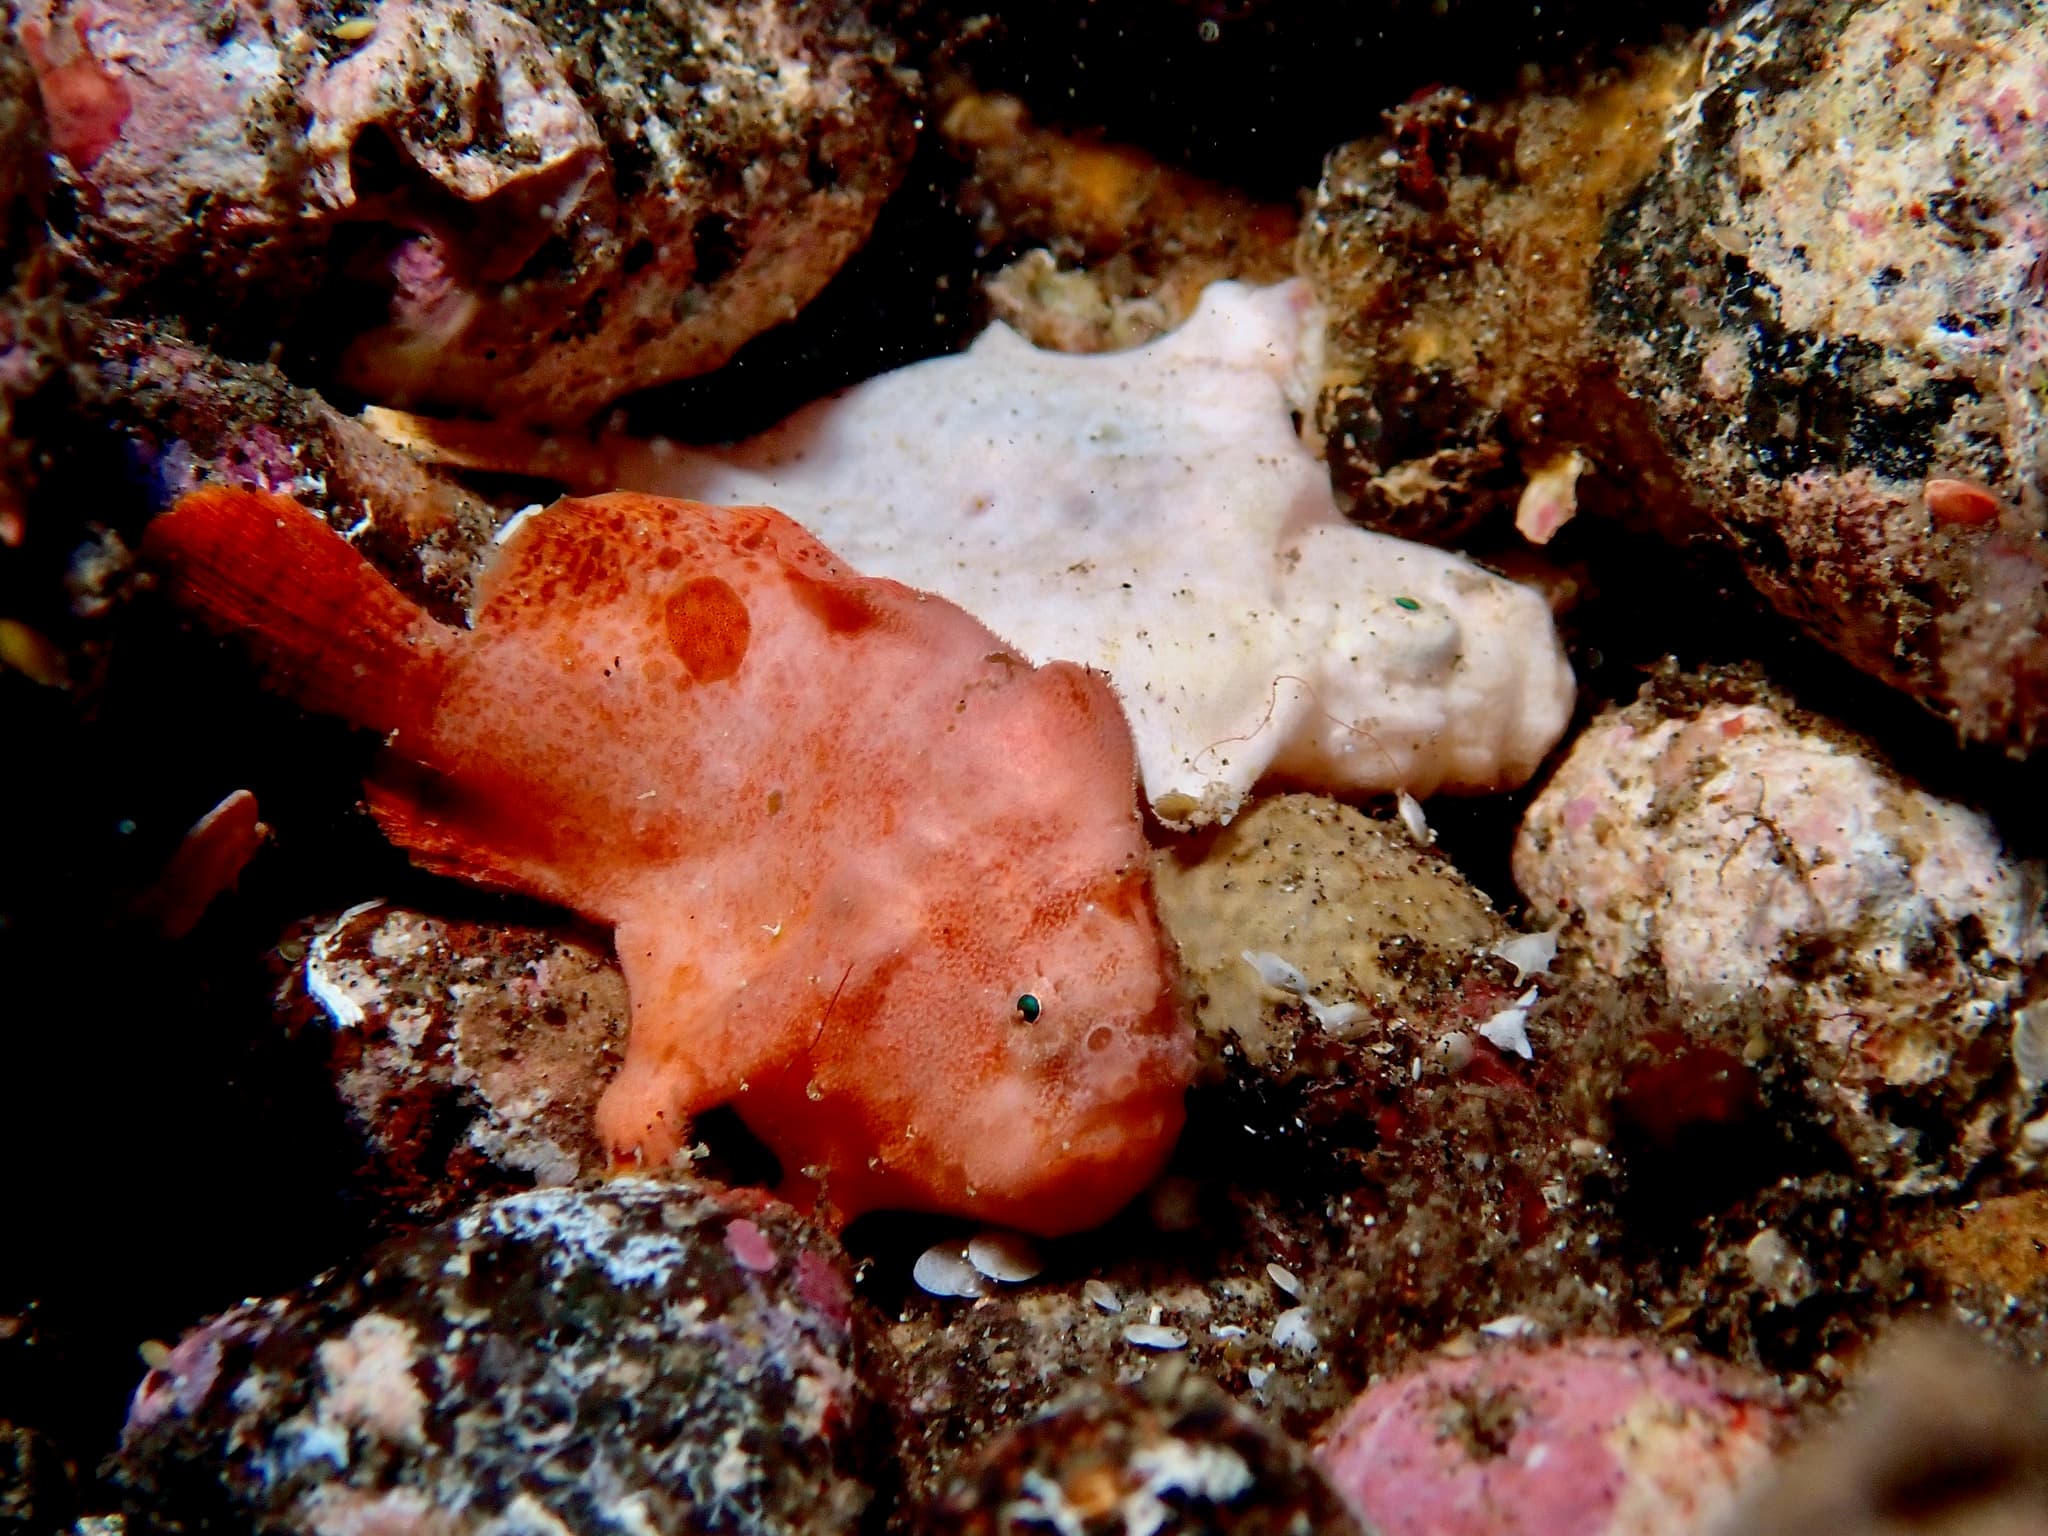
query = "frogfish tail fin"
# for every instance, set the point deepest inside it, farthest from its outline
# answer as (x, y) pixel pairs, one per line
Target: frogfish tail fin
(322, 624)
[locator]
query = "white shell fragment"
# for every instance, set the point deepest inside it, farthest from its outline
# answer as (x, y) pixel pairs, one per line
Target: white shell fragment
(1155, 1336)
(2030, 1044)
(944, 1270)
(1098, 1294)
(1413, 822)
(1777, 1266)
(1009, 1257)
(1530, 954)
(1513, 1325)
(1282, 975)
(1284, 1278)
(1292, 1330)
(1151, 513)
(1508, 1030)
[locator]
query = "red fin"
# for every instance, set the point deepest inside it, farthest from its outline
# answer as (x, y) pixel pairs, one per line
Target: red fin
(324, 626)
(445, 848)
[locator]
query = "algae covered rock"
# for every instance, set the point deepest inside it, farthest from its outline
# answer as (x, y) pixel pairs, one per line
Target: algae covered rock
(641, 1356)
(1307, 915)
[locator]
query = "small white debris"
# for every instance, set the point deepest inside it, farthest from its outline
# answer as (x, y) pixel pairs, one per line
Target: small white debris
(1508, 1030)
(1551, 497)
(512, 523)
(1409, 809)
(2030, 1044)
(1275, 972)
(1285, 1278)
(1332, 1017)
(943, 1270)
(1227, 1331)
(1292, 1330)
(1006, 1256)
(1098, 1293)
(1456, 1050)
(1154, 1336)
(1512, 1326)
(1257, 1376)
(1777, 1266)
(1529, 953)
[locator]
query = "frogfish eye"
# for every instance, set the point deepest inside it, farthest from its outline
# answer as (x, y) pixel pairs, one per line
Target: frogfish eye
(1028, 1008)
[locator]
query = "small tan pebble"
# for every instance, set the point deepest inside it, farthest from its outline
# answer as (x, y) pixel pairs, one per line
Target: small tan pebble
(354, 30)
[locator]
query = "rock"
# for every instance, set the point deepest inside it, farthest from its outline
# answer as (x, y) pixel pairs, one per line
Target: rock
(1800, 897)
(1175, 1456)
(468, 1058)
(38, 1485)
(1581, 1438)
(1452, 260)
(1830, 298)
(1115, 248)
(161, 416)
(1306, 919)
(1509, 286)
(527, 208)
(36, 337)
(1941, 1435)
(640, 1356)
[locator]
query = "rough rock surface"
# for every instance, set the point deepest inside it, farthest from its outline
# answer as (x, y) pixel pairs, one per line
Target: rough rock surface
(166, 416)
(1384, 939)
(1589, 1437)
(1174, 1458)
(640, 1356)
(529, 207)
(1110, 247)
(1833, 298)
(468, 1058)
(1804, 323)
(34, 336)
(1774, 870)
(1453, 262)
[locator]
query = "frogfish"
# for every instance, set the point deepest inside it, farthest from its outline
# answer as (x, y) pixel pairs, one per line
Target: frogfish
(875, 880)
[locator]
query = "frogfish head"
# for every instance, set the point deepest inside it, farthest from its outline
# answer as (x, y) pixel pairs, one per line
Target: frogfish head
(1015, 1034)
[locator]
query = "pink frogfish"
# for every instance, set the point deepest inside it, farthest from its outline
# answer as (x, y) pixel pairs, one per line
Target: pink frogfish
(875, 880)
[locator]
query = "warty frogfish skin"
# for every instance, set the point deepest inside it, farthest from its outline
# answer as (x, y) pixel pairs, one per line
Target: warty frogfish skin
(876, 881)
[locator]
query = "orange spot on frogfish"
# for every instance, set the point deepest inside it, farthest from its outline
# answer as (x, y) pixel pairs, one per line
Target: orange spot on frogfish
(708, 628)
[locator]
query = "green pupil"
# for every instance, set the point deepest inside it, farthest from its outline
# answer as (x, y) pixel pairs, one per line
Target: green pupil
(1027, 1008)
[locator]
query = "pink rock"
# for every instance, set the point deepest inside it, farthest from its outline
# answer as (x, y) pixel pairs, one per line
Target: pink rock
(1582, 1438)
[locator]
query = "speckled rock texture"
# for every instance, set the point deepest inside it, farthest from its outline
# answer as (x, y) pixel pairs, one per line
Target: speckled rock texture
(1588, 1437)
(1108, 247)
(1784, 880)
(631, 1358)
(34, 335)
(1173, 1458)
(1803, 323)
(1453, 260)
(527, 208)
(1390, 941)
(164, 415)
(468, 1058)
(1831, 297)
